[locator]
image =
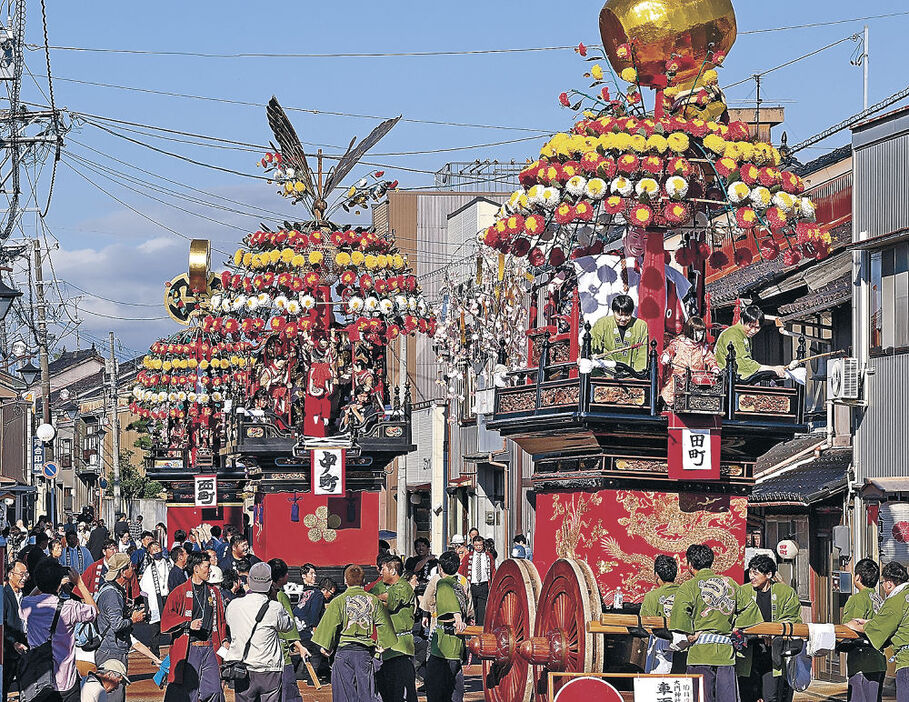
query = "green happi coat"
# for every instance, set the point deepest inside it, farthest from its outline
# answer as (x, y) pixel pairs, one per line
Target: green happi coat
(745, 365)
(890, 626)
(354, 617)
(784, 607)
(400, 606)
(712, 603)
(605, 339)
(442, 645)
(862, 658)
(287, 637)
(658, 602)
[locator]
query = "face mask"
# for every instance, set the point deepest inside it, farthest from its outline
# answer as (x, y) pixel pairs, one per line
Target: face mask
(158, 556)
(699, 336)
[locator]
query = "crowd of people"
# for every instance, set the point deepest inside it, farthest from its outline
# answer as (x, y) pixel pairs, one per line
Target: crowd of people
(98, 594)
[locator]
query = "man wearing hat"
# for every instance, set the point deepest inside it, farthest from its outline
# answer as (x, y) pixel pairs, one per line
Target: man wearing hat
(256, 624)
(194, 617)
(116, 616)
(108, 678)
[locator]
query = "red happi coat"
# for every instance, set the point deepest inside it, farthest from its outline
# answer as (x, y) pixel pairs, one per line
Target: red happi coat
(466, 568)
(175, 619)
(93, 577)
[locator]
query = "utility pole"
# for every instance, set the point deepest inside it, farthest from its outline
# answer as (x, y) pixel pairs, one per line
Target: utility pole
(45, 371)
(865, 71)
(757, 106)
(114, 425)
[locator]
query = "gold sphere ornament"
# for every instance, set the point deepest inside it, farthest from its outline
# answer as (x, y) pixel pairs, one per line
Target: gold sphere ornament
(659, 37)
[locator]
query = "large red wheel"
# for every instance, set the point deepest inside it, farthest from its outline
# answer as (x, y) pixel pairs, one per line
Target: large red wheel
(568, 600)
(511, 611)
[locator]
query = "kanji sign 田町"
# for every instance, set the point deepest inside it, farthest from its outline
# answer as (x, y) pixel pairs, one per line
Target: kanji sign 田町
(206, 491)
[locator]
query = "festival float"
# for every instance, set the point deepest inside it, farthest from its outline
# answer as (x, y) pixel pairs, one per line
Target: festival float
(647, 193)
(288, 348)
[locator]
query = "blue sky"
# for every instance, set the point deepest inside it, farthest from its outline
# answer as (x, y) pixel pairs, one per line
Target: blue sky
(113, 252)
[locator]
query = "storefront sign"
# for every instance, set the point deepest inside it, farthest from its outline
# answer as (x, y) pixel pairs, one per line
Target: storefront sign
(328, 471)
(206, 491)
(37, 455)
(664, 689)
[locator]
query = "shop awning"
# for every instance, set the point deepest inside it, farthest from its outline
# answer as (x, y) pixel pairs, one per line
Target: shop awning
(808, 483)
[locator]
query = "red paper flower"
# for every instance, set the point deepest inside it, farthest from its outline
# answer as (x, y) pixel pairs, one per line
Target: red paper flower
(614, 205)
(640, 215)
(676, 213)
(746, 218)
(568, 171)
(536, 257)
(520, 247)
(563, 98)
(652, 164)
(589, 162)
(775, 217)
(725, 166)
(514, 224)
(718, 260)
(768, 176)
(606, 168)
(366, 282)
(792, 184)
(769, 249)
(743, 257)
(628, 164)
(564, 213)
(582, 50)
(583, 211)
(684, 256)
(556, 257)
(534, 224)
(749, 173)
(679, 166)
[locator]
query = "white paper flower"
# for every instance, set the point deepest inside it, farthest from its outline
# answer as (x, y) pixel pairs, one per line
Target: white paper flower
(647, 189)
(535, 195)
(252, 303)
(172, 397)
(761, 197)
(294, 307)
(355, 304)
(289, 172)
(676, 187)
(215, 301)
(136, 390)
(401, 302)
(203, 398)
(806, 209)
(412, 303)
(307, 302)
(551, 197)
(421, 307)
(264, 300)
(576, 185)
(386, 305)
(596, 189)
(372, 304)
(738, 192)
(226, 304)
(621, 186)
(280, 303)
(216, 396)
(191, 396)
(783, 200)
(181, 396)
(238, 303)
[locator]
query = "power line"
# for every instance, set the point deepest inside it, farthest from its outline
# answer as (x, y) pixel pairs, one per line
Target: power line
(311, 111)
(823, 24)
(107, 299)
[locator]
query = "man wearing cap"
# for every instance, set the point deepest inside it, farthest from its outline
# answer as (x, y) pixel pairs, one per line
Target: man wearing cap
(94, 574)
(259, 645)
(355, 625)
(116, 616)
(110, 677)
(194, 617)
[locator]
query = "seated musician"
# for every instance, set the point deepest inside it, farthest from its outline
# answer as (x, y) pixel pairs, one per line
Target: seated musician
(689, 351)
(620, 337)
(739, 335)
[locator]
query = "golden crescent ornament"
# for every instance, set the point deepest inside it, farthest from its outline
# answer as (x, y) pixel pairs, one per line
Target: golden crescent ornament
(199, 264)
(662, 29)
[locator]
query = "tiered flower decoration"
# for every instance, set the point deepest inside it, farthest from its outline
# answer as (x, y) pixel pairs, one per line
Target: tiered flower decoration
(620, 166)
(184, 381)
(485, 316)
(294, 282)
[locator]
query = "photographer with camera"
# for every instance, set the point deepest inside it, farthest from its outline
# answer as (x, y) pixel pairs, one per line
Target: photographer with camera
(117, 614)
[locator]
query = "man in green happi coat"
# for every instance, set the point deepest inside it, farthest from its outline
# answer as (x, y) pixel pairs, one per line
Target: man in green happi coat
(446, 648)
(707, 608)
(739, 335)
(759, 679)
(664, 656)
(355, 626)
(865, 665)
(620, 337)
(890, 626)
(397, 678)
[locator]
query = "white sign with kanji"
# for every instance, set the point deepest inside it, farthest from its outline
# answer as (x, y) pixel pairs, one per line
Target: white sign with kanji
(328, 471)
(206, 491)
(664, 689)
(696, 453)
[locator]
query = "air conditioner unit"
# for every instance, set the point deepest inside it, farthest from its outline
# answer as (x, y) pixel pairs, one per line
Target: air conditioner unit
(843, 379)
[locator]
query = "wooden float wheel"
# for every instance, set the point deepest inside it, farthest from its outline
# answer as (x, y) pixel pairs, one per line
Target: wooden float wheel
(511, 611)
(568, 600)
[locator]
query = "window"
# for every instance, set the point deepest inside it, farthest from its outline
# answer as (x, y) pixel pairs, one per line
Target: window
(889, 279)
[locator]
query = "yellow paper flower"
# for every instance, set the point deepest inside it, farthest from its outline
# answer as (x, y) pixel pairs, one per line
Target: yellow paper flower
(715, 143)
(622, 141)
(639, 143)
(299, 186)
(203, 364)
(288, 187)
(315, 258)
(709, 78)
(287, 255)
(382, 261)
(397, 261)
(357, 258)
(629, 75)
(342, 258)
(658, 143)
(597, 72)
(298, 261)
(247, 259)
(167, 365)
(678, 142)
(238, 257)
(193, 363)
(371, 261)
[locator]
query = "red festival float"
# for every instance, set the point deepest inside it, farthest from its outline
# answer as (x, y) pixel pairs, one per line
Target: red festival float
(642, 201)
(276, 400)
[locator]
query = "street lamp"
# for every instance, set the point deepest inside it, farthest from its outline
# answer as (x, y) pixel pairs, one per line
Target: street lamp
(7, 296)
(29, 373)
(70, 410)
